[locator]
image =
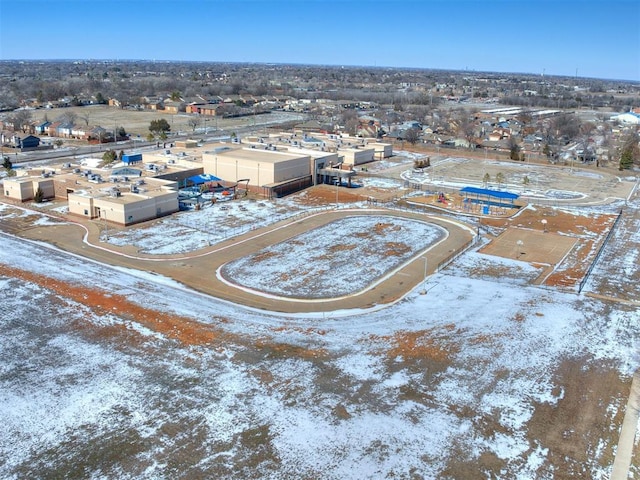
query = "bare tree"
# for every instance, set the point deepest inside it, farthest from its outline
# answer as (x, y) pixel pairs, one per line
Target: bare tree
(20, 119)
(193, 123)
(566, 126)
(350, 121)
(525, 117)
(464, 126)
(412, 135)
(68, 117)
(86, 117)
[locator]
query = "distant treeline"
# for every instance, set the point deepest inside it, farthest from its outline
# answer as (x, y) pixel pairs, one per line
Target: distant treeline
(130, 81)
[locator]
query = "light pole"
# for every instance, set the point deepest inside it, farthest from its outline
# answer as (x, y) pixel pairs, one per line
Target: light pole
(424, 281)
(104, 218)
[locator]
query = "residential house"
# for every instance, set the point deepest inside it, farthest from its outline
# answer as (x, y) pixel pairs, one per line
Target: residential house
(64, 130)
(42, 127)
(8, 125)
(210, 109)
(152, 103)
(173, 106)
(25, 141)
(499, 134)
(52, 129)
(235, 99)
(79, 132)
(98, 135)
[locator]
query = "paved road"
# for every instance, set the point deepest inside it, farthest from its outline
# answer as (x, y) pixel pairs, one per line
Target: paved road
(198, 270)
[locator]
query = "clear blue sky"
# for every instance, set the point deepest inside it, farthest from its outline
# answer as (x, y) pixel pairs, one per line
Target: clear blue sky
(559, 37)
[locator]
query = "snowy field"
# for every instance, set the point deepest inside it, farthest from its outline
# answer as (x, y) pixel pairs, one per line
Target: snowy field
(335, 260)
(479, 378)
(197, 229)
(534, 181)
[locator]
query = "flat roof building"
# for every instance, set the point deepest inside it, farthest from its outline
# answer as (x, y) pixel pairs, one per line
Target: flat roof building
(126, 206)
(357, 156)
(268, 172)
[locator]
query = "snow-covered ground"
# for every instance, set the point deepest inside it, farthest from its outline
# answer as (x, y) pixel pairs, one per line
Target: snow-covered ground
(335, 260)
(534, 181)
(447, 384)
(200, 228)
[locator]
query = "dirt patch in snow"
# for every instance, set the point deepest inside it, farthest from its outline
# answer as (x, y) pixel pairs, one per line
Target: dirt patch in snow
(174, 327)
(321, 195)
(581, 425)
(431, 345)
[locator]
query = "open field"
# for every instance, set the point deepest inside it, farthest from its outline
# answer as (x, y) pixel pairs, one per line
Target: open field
(113, 371)
(137, 122)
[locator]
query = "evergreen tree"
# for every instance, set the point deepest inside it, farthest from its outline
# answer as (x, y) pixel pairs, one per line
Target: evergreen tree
(109, 156)
(626, 159)
(630, 153)
(159, 127)
(514, 151)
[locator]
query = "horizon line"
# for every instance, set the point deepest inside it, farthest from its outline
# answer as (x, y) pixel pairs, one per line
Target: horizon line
(459, 70)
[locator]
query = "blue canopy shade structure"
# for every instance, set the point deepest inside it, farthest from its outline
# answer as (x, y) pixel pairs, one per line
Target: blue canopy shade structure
(490, 193)
(203, 178)
(488, 198)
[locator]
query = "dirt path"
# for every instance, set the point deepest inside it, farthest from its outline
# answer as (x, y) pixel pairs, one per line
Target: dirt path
(198, 270)
(624, 453)
(609, 298)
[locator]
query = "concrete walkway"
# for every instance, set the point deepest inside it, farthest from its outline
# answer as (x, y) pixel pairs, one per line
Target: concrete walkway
(624, 452)
(198, 269)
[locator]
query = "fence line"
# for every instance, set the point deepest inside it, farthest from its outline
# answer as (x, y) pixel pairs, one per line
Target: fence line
(456, 253)
(599, 254)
